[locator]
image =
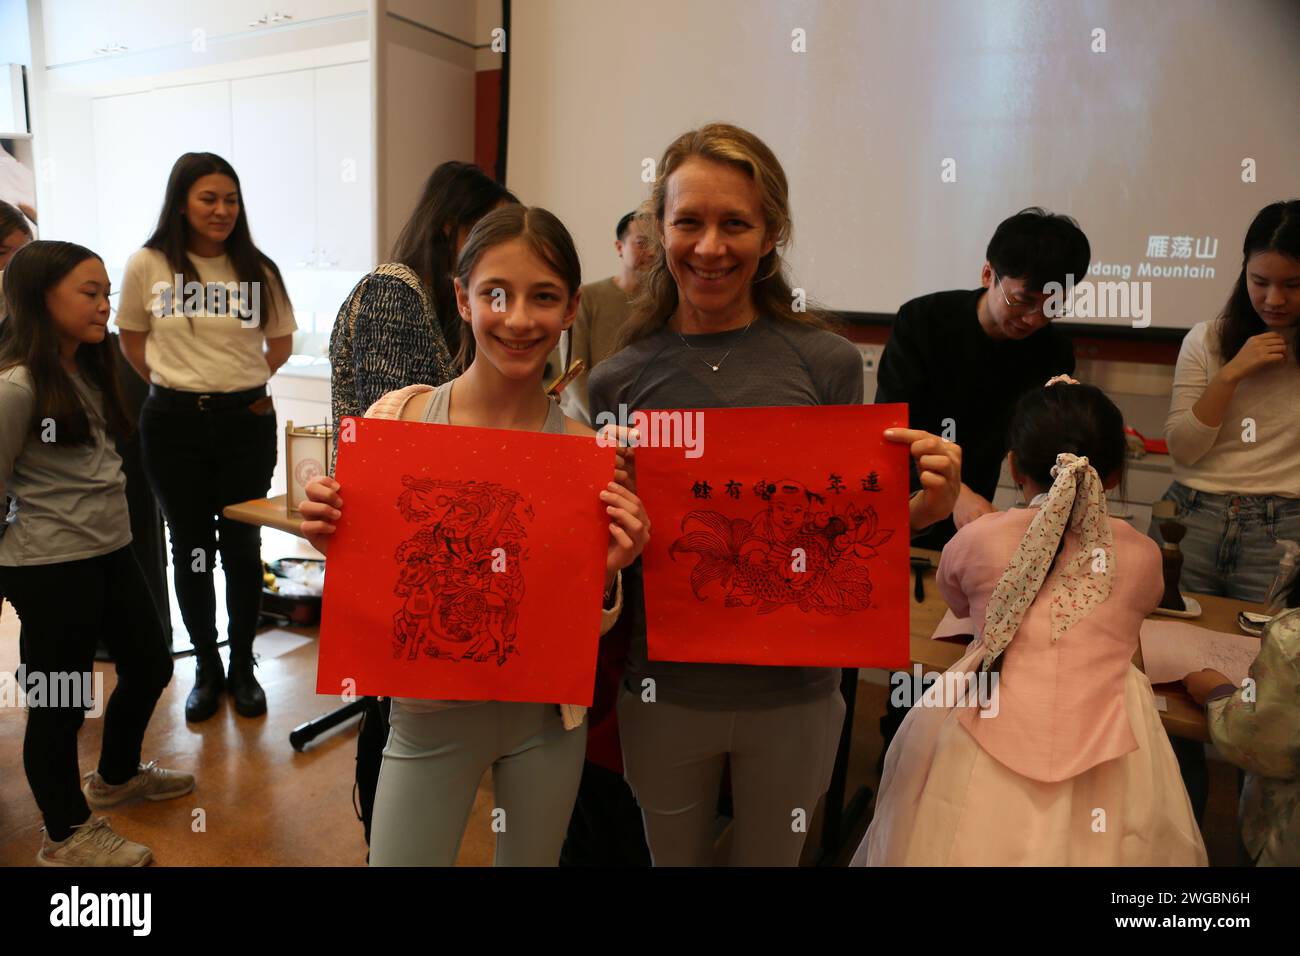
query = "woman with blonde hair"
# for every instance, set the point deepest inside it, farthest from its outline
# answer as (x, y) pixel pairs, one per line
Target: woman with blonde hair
(715, 325)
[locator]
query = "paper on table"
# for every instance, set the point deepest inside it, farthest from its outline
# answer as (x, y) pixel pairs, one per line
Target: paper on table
(952, 627)
(1172, 649)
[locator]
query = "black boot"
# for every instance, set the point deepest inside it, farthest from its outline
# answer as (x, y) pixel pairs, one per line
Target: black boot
(209, 682)
(250, 700)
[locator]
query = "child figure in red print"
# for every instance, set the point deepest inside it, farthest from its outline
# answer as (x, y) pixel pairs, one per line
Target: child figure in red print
(1062, 761)
(772, 535)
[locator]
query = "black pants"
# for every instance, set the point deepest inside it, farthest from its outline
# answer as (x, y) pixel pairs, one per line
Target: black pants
(606, 828)
(65, 610)
(198, 461)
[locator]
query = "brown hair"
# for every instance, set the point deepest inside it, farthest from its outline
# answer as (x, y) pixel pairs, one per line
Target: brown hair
(455, 197)
(656, 299)
(546, 238)
(11, 218)
(32, 340)
(1275, 228)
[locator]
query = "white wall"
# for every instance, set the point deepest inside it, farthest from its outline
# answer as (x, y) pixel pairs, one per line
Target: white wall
(1144, 139)
(14, 45)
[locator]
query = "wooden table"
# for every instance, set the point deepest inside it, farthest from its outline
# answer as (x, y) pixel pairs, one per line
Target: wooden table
(266, 513)
(1183, 716)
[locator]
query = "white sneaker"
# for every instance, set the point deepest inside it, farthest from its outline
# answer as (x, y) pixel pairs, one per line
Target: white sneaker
(92, 844)
(151, 783)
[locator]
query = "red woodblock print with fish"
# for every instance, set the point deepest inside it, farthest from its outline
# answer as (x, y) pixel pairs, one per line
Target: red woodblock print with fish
(785, 542)
(468, 565)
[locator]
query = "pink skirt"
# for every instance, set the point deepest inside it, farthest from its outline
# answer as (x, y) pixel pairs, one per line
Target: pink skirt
(945, 802)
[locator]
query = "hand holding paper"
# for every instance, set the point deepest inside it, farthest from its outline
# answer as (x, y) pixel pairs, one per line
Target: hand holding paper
(938, 465)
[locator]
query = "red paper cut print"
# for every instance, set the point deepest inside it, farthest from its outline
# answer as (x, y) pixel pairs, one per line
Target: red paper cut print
(468, 565)
(457, 604)
(784, 542)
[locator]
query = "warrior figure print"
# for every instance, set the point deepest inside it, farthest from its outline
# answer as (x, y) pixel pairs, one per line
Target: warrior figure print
(461, 575)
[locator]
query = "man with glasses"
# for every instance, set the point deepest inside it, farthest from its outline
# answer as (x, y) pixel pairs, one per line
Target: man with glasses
(961, 359)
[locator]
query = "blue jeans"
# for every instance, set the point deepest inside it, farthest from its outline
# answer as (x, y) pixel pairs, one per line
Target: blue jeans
(1231, 547)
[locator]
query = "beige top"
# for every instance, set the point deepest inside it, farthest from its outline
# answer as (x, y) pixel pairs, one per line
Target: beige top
(601, 313)
(1256, 450)
(212, 350)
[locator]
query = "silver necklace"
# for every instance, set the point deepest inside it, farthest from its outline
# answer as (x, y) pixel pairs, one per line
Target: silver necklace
(711, 365)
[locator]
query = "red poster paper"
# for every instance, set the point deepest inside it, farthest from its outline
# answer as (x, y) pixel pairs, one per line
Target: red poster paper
(469, 564)
(785, 542)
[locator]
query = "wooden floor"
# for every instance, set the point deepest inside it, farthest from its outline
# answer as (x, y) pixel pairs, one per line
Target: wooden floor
(263, 804)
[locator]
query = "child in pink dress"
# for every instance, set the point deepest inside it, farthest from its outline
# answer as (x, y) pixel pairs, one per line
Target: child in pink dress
(1067, 764)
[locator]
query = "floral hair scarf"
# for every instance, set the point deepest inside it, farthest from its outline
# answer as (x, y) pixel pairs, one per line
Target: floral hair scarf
(1077, 501)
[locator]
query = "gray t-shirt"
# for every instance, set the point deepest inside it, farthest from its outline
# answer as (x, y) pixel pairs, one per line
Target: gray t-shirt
(774, 362)
(69, 501)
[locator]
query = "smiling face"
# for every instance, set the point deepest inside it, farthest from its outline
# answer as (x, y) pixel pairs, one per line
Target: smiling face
(212, 207)
(79, 304)
(517, 306)
(789, 510)
(714, 235)
(1273, 283)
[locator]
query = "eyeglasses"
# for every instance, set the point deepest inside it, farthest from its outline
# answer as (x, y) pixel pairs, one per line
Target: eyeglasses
(1022, 307)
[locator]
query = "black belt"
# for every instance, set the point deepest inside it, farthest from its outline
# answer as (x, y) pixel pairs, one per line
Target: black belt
(205, 401)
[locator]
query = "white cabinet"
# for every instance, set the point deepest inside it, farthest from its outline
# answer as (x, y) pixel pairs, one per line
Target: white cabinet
(234, 16)
(301, 399)
(75, 29)
(130, 174)
(273, 138)
(138, 138)
(193, 119)
(301, 145)
(343, 167)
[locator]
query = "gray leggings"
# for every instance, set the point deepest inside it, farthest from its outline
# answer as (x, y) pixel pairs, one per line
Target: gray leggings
(431, 771)
(781, 763)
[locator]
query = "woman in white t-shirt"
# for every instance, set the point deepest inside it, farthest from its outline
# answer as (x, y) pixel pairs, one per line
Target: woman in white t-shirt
(205, 319)
(1233, 427)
